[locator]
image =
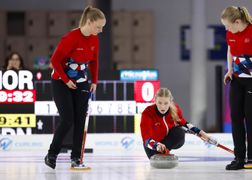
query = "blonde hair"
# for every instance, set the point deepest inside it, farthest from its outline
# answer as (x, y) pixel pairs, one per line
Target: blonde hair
(93, 14)
(165, 92)
(232, 13)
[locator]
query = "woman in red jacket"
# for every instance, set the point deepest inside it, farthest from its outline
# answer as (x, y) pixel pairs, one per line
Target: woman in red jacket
(238, 23)
(161, 125)
(75, 54)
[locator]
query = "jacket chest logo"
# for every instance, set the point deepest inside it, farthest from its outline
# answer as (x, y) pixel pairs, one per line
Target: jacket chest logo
(79, 49)
(92, 48)
(246, 40)
(157, 124)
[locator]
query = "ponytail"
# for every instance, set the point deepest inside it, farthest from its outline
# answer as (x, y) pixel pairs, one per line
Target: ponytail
(93, 14)
(232, 13)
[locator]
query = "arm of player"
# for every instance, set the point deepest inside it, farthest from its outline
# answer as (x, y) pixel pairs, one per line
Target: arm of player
(146, 132)
(202, 134)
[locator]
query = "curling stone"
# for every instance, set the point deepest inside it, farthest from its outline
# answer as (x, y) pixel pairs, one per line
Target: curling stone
(164, 161)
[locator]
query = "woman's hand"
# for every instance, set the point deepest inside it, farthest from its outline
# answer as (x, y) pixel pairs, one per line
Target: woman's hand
(204, 135)
(161, 148)
(9, 66)
(71, 85)
(93, 88)
(208, 139)
(228, 76)
(12, 66)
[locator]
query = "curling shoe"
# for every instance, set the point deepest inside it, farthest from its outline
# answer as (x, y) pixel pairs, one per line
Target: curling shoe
(248, 165)
(236, 164)
(50, 160)
(76, 163)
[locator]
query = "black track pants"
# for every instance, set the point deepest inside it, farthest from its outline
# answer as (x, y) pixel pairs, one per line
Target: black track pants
(72, 107)
(174, 140)
(241, 109)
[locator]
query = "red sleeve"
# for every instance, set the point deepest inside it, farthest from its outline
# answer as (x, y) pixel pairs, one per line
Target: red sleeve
(61, 53)
(93, 65)
(146, 126)
(146, 131)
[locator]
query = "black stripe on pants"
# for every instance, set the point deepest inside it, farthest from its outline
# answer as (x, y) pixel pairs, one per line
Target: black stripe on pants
(72, 107)
(241, 109)
(174, 140)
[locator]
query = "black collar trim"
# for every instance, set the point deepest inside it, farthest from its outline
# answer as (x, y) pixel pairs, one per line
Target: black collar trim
(160, 114)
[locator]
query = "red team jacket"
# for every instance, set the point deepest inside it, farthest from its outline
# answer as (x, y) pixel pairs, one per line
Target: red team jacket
(83, 49)
(156, 127)
(240, 43)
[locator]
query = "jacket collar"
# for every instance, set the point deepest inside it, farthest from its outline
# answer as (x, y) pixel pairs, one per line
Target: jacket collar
(160, 114)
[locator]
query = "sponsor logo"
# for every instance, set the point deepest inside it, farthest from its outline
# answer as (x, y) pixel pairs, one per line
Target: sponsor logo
(5, 144)
(231, 40)
(246, 40)
(133, 75)
(79, 49)
(127, 143)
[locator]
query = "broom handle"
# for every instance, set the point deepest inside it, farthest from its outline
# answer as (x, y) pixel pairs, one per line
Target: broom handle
(85, 129)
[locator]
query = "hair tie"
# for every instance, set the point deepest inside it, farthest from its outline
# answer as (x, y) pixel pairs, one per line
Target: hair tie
(239, 9)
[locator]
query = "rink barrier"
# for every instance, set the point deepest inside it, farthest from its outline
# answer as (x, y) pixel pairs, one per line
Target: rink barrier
(106, 142)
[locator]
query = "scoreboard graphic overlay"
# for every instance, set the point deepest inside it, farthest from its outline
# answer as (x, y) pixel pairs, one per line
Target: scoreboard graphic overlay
(17, 98)
(27, 106)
